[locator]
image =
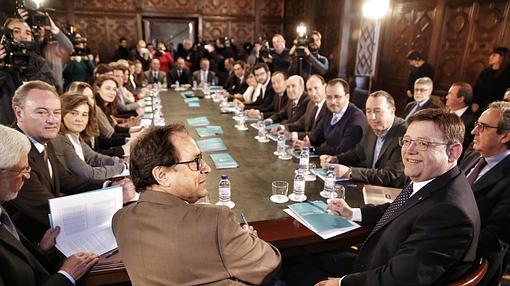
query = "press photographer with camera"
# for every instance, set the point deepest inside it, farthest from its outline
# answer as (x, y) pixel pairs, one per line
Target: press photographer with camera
(80, 66)
(277, 58)
(18, 63)
(306, 60)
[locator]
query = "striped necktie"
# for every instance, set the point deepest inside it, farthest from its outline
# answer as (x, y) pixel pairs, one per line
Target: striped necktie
(7, 223)
(394, 206)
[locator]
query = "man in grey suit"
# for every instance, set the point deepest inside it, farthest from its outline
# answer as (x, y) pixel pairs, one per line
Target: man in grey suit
(204, 75)
(167, 239)
(376, 158)
(154, 75)
(423, 88)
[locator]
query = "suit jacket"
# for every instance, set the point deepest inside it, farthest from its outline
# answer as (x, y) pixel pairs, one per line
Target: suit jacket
(492, 194)
(235, 85)
(409, 107)
(469, 118)
(264, 103)
(430, 240)
(289, 113)
(199, 245)
(279, 103)
(150, 79)
(342, 136)
(307, 123)
(388, 167)
(211, 76)
(184, 79)
(20, 267)
(29, 211)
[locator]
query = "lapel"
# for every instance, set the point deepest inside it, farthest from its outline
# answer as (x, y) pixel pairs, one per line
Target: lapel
(422, 195)
(321, 115)
(495, 174)
(371, 140)
(22, 251)
(390, 136)
(36, 160)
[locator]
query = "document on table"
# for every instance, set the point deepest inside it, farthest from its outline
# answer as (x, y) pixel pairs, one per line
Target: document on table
(209, 131)
(85, 220)
(296, 154)
(378, 195)
(268, 127)
(315, 216)
(211, 145)
(321, 173)
(198, 121)
(223, 161)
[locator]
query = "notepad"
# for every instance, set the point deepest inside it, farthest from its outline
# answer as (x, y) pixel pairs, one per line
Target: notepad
(85, 220)
(209, 131)
(321, 173)
(314, 215)
(194, 104)
(223, 161)
(211, 145)
(198, 121)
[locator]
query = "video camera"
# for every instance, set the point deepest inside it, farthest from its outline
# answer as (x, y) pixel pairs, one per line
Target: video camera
(37, 18)
(265, 50)
(76, 39)
(18, 55)
(302, 40)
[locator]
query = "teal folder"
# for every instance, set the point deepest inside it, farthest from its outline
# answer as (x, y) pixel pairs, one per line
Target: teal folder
(316, 215)
(223, 161)
(209, 131)
(211, 145)
(194, 104)
(321, 173)
(191, 99)
(296, 154)
(198, 121)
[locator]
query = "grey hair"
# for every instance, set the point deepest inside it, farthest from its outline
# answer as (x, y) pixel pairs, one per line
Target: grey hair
(504, 109)
(299, 79)
(13, 144)
(425, 81)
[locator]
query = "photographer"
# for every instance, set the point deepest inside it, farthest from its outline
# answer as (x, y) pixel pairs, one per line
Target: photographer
(80, 66)
(279, 58)
(18, 63)
(312, 62)
(142, 54)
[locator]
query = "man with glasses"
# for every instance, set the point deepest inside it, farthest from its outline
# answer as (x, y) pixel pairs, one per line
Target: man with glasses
(342, 126)
(37, 109)
(19, 263)
(376, 158)
(166, 238)
(422, 91)
(265, 99)
(487, 169)
(429, 234)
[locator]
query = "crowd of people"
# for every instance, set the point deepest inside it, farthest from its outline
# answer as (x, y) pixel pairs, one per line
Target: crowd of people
(69, 128)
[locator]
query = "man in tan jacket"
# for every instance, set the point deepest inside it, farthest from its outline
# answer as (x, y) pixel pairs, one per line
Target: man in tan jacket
(165, 239)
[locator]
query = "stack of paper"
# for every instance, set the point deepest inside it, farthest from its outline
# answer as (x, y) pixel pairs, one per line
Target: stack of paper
(209, 131)
(377, 195)
(198, 121)
(85, 220)
(321, 173)
(223, 161)
(211, 145)
(315, 216)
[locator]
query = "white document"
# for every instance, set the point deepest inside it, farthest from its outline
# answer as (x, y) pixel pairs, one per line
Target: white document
(85, 220)
(324, 234)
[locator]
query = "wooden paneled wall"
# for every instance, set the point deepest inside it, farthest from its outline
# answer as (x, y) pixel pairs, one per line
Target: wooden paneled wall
(103, 22)
(455, 36)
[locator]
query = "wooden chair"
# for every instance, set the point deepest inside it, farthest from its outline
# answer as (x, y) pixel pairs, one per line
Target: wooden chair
(475, 274)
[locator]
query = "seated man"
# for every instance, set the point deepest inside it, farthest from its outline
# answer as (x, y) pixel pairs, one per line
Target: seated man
(154, 75)
(459, 100)
(376, 158)
(204, 75)
(37, 108)
(278, 95)
(19, 263)
(314, 113)
(429, 234)
(487, 170)
(341, 128)
(265, 99)
(165, 238)
(296, 104)
(237, 84)
(423, 88)
(180, 73)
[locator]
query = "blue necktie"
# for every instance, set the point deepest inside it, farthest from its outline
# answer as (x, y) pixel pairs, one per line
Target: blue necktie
(7, 223)
(334, 120)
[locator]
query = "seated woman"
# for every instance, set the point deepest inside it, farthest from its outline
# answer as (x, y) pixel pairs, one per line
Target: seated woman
(74, 154)
(252, 92)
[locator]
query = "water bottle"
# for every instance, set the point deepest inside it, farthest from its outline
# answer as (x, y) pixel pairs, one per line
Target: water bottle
(177, 84)
(304, 159)
(280, 146)
(224, 189)
(195, 85)
(298, 194)
(329, 184)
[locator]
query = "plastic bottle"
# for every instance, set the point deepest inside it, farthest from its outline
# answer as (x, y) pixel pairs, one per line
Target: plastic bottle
(329, 183)
(299, 184)
(280, 146)
(224, 189)
(304, 159)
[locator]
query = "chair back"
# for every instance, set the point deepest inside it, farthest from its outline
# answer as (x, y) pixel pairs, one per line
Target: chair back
(474, 275)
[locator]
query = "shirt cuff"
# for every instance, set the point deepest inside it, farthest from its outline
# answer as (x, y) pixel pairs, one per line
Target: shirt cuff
(356, 214)
(67, 276)
(294, 136)
(340, 281)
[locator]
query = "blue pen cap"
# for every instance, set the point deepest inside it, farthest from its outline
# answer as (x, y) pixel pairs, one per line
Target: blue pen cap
(224, 177)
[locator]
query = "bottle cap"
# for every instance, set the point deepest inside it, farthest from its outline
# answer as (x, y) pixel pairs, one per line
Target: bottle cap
(331, 168)
(224, 177)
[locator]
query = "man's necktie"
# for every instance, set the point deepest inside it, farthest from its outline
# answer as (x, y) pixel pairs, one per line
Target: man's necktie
(314, 115)
(7, 223)
(179, 72)
(476, 170)
(413, 111)
(394, 206)
(334, 120)
(155, 76)
(293, 110)
(45, 154)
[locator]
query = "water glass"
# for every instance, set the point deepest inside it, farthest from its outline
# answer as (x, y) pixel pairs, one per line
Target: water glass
(279, 192)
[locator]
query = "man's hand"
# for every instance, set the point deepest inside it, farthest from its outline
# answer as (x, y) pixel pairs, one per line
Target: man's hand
(23, 14)
(329, 282)
(53, 28)
(307, 51)
(299, 144)
(78, 264)
(409, 94)
(48, 239)
(341, 208)
(341, 171)
(287, 134)
(292, 50)
(128, 190)
(3, 52)
(250, 229)
(326, 160)
(252, 112)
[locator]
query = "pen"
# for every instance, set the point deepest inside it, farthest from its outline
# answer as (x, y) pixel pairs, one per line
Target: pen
(244, 219)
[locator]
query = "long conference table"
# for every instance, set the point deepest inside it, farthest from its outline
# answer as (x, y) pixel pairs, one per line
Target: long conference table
(250, 187)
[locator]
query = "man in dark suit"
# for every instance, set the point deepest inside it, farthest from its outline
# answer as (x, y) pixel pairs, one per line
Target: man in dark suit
(487, 169)
(423, 88)
(180, 73)
(37, 109)
(237, 83)
(19, 263)
(296, 103)
(278, 94)
(204, 75)
(341, 128)
(154, 75)
(459, 99)
(314, 113)
(376, 158)
(429, 234)
(265, 100)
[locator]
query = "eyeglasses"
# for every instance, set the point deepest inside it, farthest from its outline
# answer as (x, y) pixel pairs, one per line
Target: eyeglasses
(420, 90)
(23, 171)
(421, 145)
(194, 167)
(481, 126)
